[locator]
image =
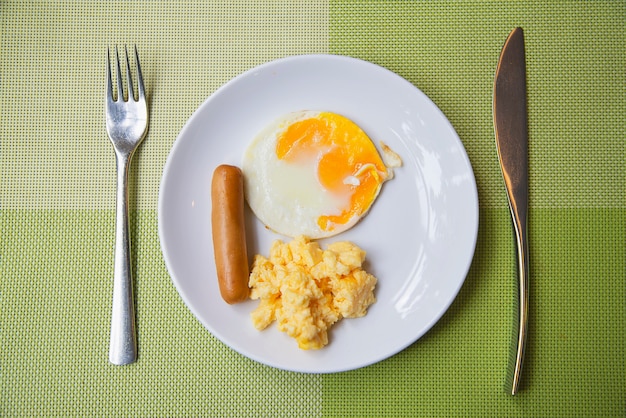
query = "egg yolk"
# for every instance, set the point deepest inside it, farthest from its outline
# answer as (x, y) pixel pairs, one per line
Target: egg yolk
(348, 161)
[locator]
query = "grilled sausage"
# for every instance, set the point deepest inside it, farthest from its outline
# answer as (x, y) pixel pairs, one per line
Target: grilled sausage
(229, 236)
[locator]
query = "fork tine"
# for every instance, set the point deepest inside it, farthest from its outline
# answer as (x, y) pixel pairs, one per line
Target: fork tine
(120, 89)
(109, 86)
(131, 91)
(142, 92)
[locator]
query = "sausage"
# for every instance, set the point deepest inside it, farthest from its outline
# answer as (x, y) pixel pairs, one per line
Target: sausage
(229, 235)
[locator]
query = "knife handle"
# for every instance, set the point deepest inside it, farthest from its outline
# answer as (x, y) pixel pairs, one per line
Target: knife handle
(518, 345)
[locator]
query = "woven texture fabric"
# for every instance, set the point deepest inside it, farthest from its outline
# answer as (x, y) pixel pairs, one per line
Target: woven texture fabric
(57, 214)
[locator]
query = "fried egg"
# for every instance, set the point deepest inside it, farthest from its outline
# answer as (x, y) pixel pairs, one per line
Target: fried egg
(312, 173)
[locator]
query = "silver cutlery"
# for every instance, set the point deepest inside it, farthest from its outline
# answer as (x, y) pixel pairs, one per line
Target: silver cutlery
(510, 122)
(126, 126)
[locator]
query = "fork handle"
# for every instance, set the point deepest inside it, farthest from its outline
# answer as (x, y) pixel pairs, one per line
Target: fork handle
(123, 343)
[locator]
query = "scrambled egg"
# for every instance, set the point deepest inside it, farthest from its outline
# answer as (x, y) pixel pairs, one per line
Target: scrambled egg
(307, 289)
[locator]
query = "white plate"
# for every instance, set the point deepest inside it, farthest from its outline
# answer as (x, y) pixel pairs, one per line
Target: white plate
(419, 235)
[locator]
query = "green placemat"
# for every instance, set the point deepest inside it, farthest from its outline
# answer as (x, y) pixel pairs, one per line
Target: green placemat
(57, 208)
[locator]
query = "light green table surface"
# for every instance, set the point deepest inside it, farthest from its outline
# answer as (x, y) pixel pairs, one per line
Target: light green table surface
(58, 196)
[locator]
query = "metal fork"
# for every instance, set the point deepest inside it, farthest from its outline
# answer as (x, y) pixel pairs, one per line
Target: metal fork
(126, 125)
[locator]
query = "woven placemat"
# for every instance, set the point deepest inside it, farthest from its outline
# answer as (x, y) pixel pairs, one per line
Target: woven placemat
(57, 208)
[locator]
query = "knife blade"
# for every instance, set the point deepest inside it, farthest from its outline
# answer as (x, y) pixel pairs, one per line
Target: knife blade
(510, 122)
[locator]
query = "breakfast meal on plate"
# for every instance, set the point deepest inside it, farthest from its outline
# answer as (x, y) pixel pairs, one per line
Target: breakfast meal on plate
(229, 237)
(308, 175)
(314, 173)
(307, 289)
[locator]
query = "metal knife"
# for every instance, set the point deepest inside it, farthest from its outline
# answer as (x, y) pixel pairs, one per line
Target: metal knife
(510, 123)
